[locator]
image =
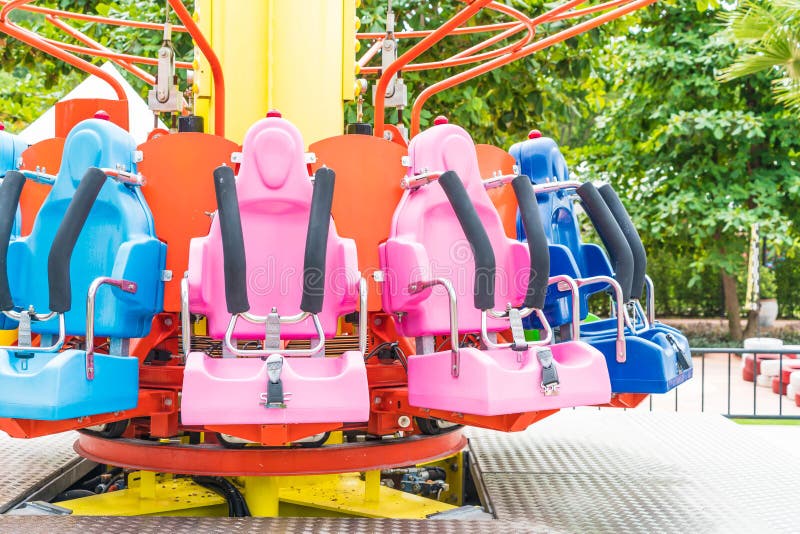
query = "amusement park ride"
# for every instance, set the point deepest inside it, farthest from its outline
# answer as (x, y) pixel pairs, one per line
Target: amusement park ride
(305, 322)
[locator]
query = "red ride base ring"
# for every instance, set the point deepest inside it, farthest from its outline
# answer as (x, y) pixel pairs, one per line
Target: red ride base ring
(216, 460)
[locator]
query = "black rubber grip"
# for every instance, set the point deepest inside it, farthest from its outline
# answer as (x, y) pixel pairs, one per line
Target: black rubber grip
(537, 242)
(58, 261)
(485, 266)
(230, 225)
(631, 235)
(611, 235)
(10, 190)
(319, 223)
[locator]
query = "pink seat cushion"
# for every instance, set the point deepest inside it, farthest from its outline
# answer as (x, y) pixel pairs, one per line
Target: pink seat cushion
(427, 242)
(495, 382)
(274, 194)
(227, 391)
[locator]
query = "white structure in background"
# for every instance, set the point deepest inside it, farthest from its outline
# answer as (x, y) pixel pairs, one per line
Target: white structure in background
(140, 117)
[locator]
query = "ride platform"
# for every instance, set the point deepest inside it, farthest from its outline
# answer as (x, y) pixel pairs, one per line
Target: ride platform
(577, 471)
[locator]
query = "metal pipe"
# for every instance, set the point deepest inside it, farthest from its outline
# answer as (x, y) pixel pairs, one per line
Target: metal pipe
(362, 315)
(455, 356)
(55, 347)
(126, 286)
(213, 61)
(476, 71)
(651, 296)
(94, 18)
(435, 36)
(576, 305)
(621, 313)
(253, 353)
(125, 177)
(85, 39)
(35, 41)
(186, 326)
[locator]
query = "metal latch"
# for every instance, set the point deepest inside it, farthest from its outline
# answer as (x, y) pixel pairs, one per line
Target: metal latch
(274, 397)
(550, 381)
(684, 361)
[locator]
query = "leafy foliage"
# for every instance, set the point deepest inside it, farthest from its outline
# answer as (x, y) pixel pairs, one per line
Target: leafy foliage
(768, 34)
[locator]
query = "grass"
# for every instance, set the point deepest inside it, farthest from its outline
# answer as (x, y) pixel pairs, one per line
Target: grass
(780, 422)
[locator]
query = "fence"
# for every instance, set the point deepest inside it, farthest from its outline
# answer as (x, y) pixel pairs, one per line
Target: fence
(722, 390)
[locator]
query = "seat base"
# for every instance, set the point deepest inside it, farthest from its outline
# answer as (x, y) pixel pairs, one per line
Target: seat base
(495, 382)
(227, 391)
(651, 363)
(51, 387)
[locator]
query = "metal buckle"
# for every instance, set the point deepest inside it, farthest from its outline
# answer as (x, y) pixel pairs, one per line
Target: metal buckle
(274, 396)
(684, 362)
(550, 383)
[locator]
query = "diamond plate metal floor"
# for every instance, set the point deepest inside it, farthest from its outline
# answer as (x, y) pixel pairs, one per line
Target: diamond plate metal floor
(26, 465)
(577, 471)
(615, 471)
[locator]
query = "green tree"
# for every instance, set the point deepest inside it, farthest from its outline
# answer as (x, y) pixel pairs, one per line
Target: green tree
(698, 160)
(31, 81)
(767, 34)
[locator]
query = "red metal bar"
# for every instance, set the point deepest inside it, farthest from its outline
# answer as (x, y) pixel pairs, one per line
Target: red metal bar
(525, 51)
(211, 460)
(370, 53)
(94, 18)
(113, 56)
(85, 39)
(418, 34)
(35, 41)
(436, 36)
(464, 59)
(213, 61)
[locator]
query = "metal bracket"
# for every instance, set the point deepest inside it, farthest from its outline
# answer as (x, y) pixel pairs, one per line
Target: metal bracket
(272, 337)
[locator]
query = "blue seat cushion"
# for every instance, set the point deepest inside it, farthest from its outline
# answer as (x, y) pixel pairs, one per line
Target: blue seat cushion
(52, 387)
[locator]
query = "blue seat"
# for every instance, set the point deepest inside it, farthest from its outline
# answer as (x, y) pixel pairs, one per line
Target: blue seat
(658, 356)
(11, 149)
(117, 240)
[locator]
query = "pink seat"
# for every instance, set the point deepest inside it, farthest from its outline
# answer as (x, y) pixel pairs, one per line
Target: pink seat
(427, 242)
(274, 202)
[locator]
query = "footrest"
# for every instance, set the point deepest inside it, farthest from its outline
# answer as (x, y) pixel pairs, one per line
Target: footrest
(51, 387)
(233, 391)
(503, 381)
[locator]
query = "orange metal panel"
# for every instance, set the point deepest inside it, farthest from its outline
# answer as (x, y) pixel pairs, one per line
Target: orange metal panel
(490, 160)
(47, 156)
(368, 173)
(71, 112)
(180, 192)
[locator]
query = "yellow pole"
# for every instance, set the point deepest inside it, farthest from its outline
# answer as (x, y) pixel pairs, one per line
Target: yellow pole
(296, 56)
(261, 494)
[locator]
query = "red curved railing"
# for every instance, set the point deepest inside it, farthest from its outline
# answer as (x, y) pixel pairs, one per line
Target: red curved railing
(70, 53)
(486, 60)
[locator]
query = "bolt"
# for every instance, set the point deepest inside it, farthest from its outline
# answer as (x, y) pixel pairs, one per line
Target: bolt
(168, 321)
(378, 321)
(167, 402)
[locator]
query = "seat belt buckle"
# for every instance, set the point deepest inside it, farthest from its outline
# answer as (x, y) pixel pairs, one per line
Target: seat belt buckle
(550, 383)
(274, 396)
(684, 361)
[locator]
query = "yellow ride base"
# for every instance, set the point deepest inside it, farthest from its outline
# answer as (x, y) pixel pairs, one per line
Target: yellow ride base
(346, 495)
